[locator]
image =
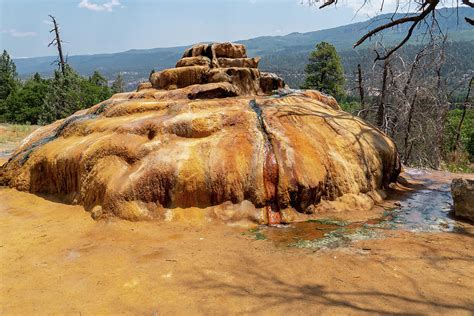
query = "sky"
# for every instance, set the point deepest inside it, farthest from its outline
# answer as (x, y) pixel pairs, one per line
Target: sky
(107, 26)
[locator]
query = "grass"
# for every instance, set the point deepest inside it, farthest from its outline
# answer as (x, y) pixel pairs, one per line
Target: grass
(14, 133)
(459, 167)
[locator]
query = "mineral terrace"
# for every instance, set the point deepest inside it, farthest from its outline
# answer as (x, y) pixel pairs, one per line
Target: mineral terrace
(213, 138)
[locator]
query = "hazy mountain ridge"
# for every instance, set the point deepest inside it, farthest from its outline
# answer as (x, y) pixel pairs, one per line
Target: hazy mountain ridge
(283, 54)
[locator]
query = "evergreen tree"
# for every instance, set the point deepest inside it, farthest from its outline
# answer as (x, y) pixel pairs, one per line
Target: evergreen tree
(8, 76)
(24, 105)
(97, 79)
(94, 90)
(8, 82)
(63, 97)
(324, 71)
(70, 92)
(118, 84)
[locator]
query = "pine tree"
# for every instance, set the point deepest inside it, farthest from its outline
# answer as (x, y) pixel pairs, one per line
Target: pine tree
(24, 105)
(94, 90)
(8, 82)
(8, 76)
(324, 71)
(97, 79)
(118, 84)
(63, 97)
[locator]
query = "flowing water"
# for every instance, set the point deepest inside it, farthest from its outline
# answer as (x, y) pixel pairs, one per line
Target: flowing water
(424, 210)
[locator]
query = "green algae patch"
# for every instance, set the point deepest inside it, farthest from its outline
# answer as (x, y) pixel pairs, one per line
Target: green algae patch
(328, 221)
(336, 238)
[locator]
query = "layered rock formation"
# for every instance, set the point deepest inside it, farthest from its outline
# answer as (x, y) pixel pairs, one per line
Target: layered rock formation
(207, 139)
(219, 70)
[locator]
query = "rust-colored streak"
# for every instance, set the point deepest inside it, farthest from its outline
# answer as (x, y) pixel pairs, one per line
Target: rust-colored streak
(270, 181)
(270, 172)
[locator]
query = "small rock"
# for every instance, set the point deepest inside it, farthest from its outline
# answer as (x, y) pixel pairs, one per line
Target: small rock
(96, 212)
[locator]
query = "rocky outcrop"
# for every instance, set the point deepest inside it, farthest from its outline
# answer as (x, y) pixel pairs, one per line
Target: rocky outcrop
(463, 197)
(238, 62)
(270, 82)
(218, 63)
(210, 141)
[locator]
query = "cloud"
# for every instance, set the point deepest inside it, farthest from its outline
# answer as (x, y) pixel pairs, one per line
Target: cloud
(107, 6)
(48, 22)
(18, 34)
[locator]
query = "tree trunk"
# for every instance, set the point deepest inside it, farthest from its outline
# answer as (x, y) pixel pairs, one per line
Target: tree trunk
(57, 41)
(406, 150)
(464, 110)
(361, 92)
(381, 109)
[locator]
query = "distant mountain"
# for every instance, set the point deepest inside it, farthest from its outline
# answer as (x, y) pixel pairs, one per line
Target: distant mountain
(344, 37)
(285, 55)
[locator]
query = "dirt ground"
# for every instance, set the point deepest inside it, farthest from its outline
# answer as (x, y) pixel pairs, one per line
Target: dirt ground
(54, 258)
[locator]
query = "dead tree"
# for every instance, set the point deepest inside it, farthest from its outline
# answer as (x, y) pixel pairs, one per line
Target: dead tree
(361, 91)
(411, 110)
(466, 104)
(57, 42)
(469, 4)
(424, 9)
(381, 106)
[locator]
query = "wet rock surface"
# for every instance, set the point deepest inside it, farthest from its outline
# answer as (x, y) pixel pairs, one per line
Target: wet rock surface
(211, 141)
(427, 208)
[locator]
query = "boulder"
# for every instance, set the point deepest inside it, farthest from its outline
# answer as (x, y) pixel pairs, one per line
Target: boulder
(238, 62)
(179, 77)
(144, 85)
(199, 50)
(245, 79)
(194, 61)
(462, 191)
(229, 50)
(212, 91)
(270, 82)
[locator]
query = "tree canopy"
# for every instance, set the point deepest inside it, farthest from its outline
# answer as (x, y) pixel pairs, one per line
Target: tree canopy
(40, 101)
(324, 71)
(8, 76)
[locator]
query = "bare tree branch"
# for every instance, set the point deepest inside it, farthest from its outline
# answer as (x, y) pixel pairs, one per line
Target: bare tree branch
(414, 19)
(425, 7)
(57, 42)
(468, 3)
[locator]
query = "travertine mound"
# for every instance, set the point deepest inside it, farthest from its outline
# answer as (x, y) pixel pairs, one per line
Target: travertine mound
(188, 144)
(218, 63)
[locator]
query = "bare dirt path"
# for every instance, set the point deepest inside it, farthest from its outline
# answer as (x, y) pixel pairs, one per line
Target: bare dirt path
(55, 259)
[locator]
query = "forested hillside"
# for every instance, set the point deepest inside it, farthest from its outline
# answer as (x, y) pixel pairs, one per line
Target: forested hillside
(285, 55)
(290, 63)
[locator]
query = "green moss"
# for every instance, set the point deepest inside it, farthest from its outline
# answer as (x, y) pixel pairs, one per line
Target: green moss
(337, 238)
(328, 221)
